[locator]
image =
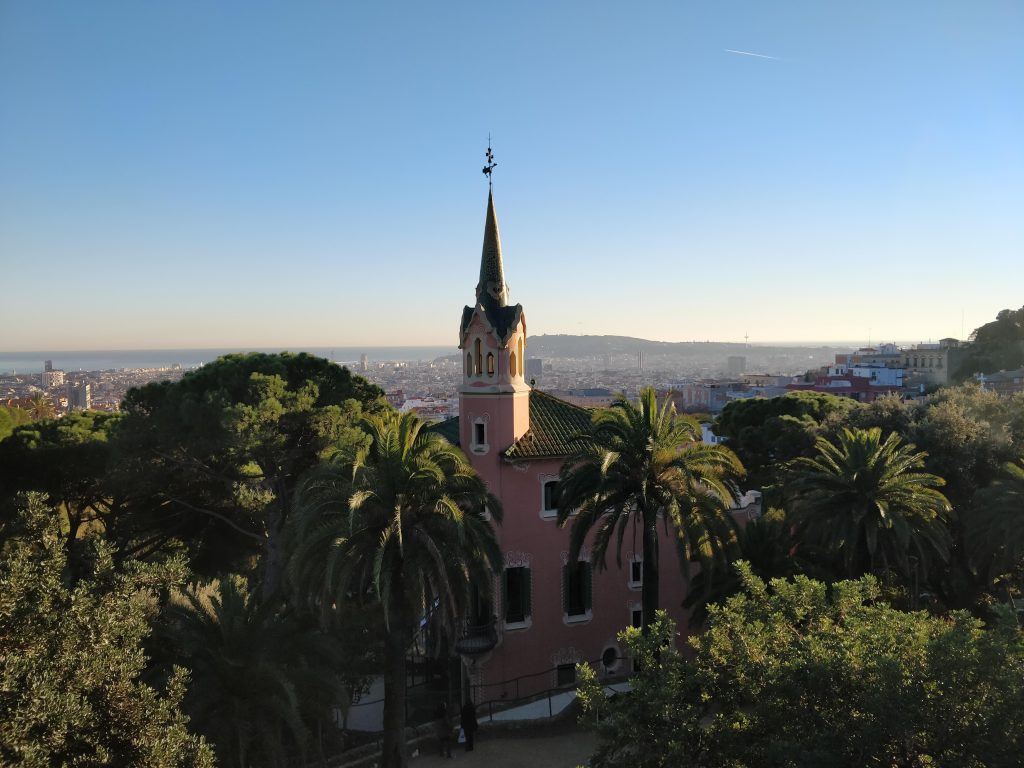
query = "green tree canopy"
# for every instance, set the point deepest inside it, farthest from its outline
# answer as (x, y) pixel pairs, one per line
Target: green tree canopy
(795, 673)
(995, 346)
(67, 459)
(406, 521)
(71, 659)
(641, 461)
(219, 453)
(260, 679)
(11, 418)
(767, 432)
(866, 500)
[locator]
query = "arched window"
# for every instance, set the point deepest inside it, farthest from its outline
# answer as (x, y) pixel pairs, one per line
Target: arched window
(478, 348)
(490, 364)
(512, 363)
(520, 369)
(469, 364)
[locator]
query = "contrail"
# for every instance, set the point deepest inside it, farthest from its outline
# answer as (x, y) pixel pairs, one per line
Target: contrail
(748, 53)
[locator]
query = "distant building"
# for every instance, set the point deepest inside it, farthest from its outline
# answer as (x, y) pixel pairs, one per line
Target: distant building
(640, 360)
(534, 366)
(736, 364)
(708, 396)
(765, 380)
(860, 388)
(50, 378)
(1003, 383)
(364, 363)
(876, 374)
(932, 364)
(47, 365)
(79, 397)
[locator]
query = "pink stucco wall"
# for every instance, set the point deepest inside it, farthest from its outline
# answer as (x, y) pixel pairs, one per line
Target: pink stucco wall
(529, 537)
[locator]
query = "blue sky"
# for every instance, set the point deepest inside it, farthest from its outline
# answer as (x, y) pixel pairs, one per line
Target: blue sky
(284, 174)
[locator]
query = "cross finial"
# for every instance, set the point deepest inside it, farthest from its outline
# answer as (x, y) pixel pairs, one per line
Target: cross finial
(491, 165)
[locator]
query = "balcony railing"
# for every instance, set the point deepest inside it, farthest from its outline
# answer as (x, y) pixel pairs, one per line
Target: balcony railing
(477, 637)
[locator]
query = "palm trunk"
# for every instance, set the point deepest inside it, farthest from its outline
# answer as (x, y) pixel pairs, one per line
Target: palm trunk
(394, 753)
(649, 598)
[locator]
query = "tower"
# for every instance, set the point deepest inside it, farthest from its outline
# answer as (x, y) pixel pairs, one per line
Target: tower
(494, 398)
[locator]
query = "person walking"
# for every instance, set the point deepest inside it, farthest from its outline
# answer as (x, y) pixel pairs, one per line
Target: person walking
(469, 723)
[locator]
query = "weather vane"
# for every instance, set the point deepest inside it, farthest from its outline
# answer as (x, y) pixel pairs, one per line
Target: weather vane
(491, 165)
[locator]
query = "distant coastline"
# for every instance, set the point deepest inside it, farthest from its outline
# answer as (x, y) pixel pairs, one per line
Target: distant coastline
(104, 360)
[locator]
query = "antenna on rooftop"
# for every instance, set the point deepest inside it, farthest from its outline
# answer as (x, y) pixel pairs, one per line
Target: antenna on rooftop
(491, 165)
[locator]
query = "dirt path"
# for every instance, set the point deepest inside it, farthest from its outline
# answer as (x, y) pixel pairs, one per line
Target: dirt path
(566, 750)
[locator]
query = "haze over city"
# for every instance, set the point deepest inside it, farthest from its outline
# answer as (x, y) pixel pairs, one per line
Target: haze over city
(179, 175)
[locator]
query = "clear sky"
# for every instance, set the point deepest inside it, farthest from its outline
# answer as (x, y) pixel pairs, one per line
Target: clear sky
(178, 174)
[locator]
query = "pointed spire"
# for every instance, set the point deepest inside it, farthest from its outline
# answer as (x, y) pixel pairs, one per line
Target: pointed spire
(491, 290)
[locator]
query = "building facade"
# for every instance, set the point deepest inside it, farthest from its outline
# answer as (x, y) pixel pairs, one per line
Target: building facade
(547, 613)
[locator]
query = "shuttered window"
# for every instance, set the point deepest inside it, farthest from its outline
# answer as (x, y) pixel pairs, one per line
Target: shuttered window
(577, 597)
(515, 594)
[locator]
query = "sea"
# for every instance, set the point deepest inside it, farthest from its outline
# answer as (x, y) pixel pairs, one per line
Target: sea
(105, 360)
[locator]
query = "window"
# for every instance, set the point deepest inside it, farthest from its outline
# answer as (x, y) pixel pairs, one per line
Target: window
(565, 674)
(516, 594)
(520, 369)
(469, 364)
(512, 364)
(479, 433)
(637, 617)
(478, 351)
(636, 573)
(490, 364)
(551, 496)
(577, 598)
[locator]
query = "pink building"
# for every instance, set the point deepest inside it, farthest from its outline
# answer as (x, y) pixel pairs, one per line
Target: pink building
(547, 613)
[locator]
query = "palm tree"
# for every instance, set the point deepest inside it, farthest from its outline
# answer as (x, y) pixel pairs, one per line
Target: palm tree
(641, 462)
(996, 536)
(255, 671)
(405, 522)
(865, 499)
(40, 406)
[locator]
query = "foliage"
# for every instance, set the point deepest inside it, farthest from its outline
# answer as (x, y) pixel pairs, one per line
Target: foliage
(657, 723)
(11, 417)
(865, 499)
(998, 511)
(403, 521)
(834, 678)
(260, 679)
(636, 463)
(995, 346)
(67, 459)
(219, 453)
(71, 657)
(797, 673)
(767, 432)
(770, 546)
(40, 406)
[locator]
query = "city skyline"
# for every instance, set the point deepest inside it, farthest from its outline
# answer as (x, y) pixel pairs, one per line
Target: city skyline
(309, 176)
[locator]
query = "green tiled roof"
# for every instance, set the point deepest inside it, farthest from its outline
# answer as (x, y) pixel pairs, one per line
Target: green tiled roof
(553, 423)
(448, 429)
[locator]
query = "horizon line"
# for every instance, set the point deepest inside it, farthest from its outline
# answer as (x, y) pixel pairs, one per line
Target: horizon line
(303, 347)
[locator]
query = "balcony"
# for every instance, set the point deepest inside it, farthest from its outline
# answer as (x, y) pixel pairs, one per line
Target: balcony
(477, 637)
